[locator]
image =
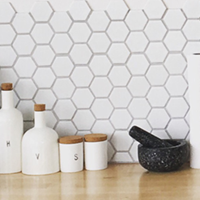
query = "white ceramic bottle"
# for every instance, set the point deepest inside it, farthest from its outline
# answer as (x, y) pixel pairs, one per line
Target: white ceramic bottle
(40, 153)
(11, 131)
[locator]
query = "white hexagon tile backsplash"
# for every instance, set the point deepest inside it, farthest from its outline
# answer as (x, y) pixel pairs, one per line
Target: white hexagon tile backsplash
(102, 70)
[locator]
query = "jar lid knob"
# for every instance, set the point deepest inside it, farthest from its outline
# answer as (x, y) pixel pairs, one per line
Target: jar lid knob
(39, 107)
(6, 86)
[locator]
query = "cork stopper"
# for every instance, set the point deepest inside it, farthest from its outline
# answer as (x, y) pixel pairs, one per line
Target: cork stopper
(39, 107)
(95, 137)
(6, 86)
(70, 139)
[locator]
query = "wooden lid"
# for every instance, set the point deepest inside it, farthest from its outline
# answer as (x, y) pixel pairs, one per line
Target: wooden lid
(73, 139)
(95, 137)
(6, 86)
(39, 107)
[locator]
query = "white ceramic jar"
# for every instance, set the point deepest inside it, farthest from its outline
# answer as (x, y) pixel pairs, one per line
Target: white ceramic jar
(71, 153)
(96, 151)
(11, 131)
(40, 153)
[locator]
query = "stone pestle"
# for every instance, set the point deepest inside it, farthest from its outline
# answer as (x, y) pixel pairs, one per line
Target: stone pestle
(147, 139)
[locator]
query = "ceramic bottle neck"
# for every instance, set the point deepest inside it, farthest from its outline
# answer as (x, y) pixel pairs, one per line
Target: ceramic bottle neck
(7, 99)
(39, 117)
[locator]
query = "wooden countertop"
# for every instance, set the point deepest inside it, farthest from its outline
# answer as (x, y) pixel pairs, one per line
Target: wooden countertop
(118, 181)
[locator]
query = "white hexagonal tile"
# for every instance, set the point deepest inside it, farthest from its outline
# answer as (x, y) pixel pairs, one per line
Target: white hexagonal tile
(157, 75)
(64, 109)
(191, 8)
(7, 56)
(50, 119)
(42, 33)
(136, 4)
(24, 44)
(192, 29)
(175, 63)
(83, 119)
(65, 128)
(139, 108)
(60, 21)
(8, 75)
(80, 54)
(122, 157)
(117, 31)
(63, 88)
(178, 128)
(191, 47)
(26, 107)
(136, 20)
(99, 42)
(100, 65)
(62, 66)
(41, 58)
(118, 53)
(61, 43)
(176, 85)
(23, 23)
(117, 10)
(98, 21)
(103, 126)
(25, 67)
(138, 86)
(177, 107)
(175, 40)
(7, 34)
(174, 19)
(137, 42)
(158, 96)
(79, 32)
(121, 119)
(41, 11)
(102, 108)
(119, 76)
(6, 12)
(25, 88)
(79, 10)
(143, 123)
(82, 76)
(155, 30)
(120, 97)
(121, 140)
(42, 82)
(156, 52)
(137, 64)
(158, 118)
(45, 96)
(134, 151)
(101, 87)
(154, 9)
(161, 134)
(82, 98)
(174, 4)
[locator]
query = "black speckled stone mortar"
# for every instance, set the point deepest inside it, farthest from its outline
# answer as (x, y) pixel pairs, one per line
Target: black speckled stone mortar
(164, 159)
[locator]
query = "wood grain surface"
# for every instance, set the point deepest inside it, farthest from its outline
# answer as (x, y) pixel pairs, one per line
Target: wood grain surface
(118, 181)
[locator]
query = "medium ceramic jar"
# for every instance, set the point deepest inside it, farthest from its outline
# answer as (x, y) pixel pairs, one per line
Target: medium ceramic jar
(11, 131)
(40, 153)
(71, 153)
(96, 151)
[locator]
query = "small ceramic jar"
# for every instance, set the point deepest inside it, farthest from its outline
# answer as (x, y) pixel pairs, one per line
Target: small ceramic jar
(96, 151)
(71, 153)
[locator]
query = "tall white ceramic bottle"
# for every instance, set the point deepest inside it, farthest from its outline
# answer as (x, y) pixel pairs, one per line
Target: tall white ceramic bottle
(11, 131)
(40, 153)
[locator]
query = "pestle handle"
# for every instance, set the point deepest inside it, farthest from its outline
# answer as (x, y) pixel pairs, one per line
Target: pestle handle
(147, 139)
